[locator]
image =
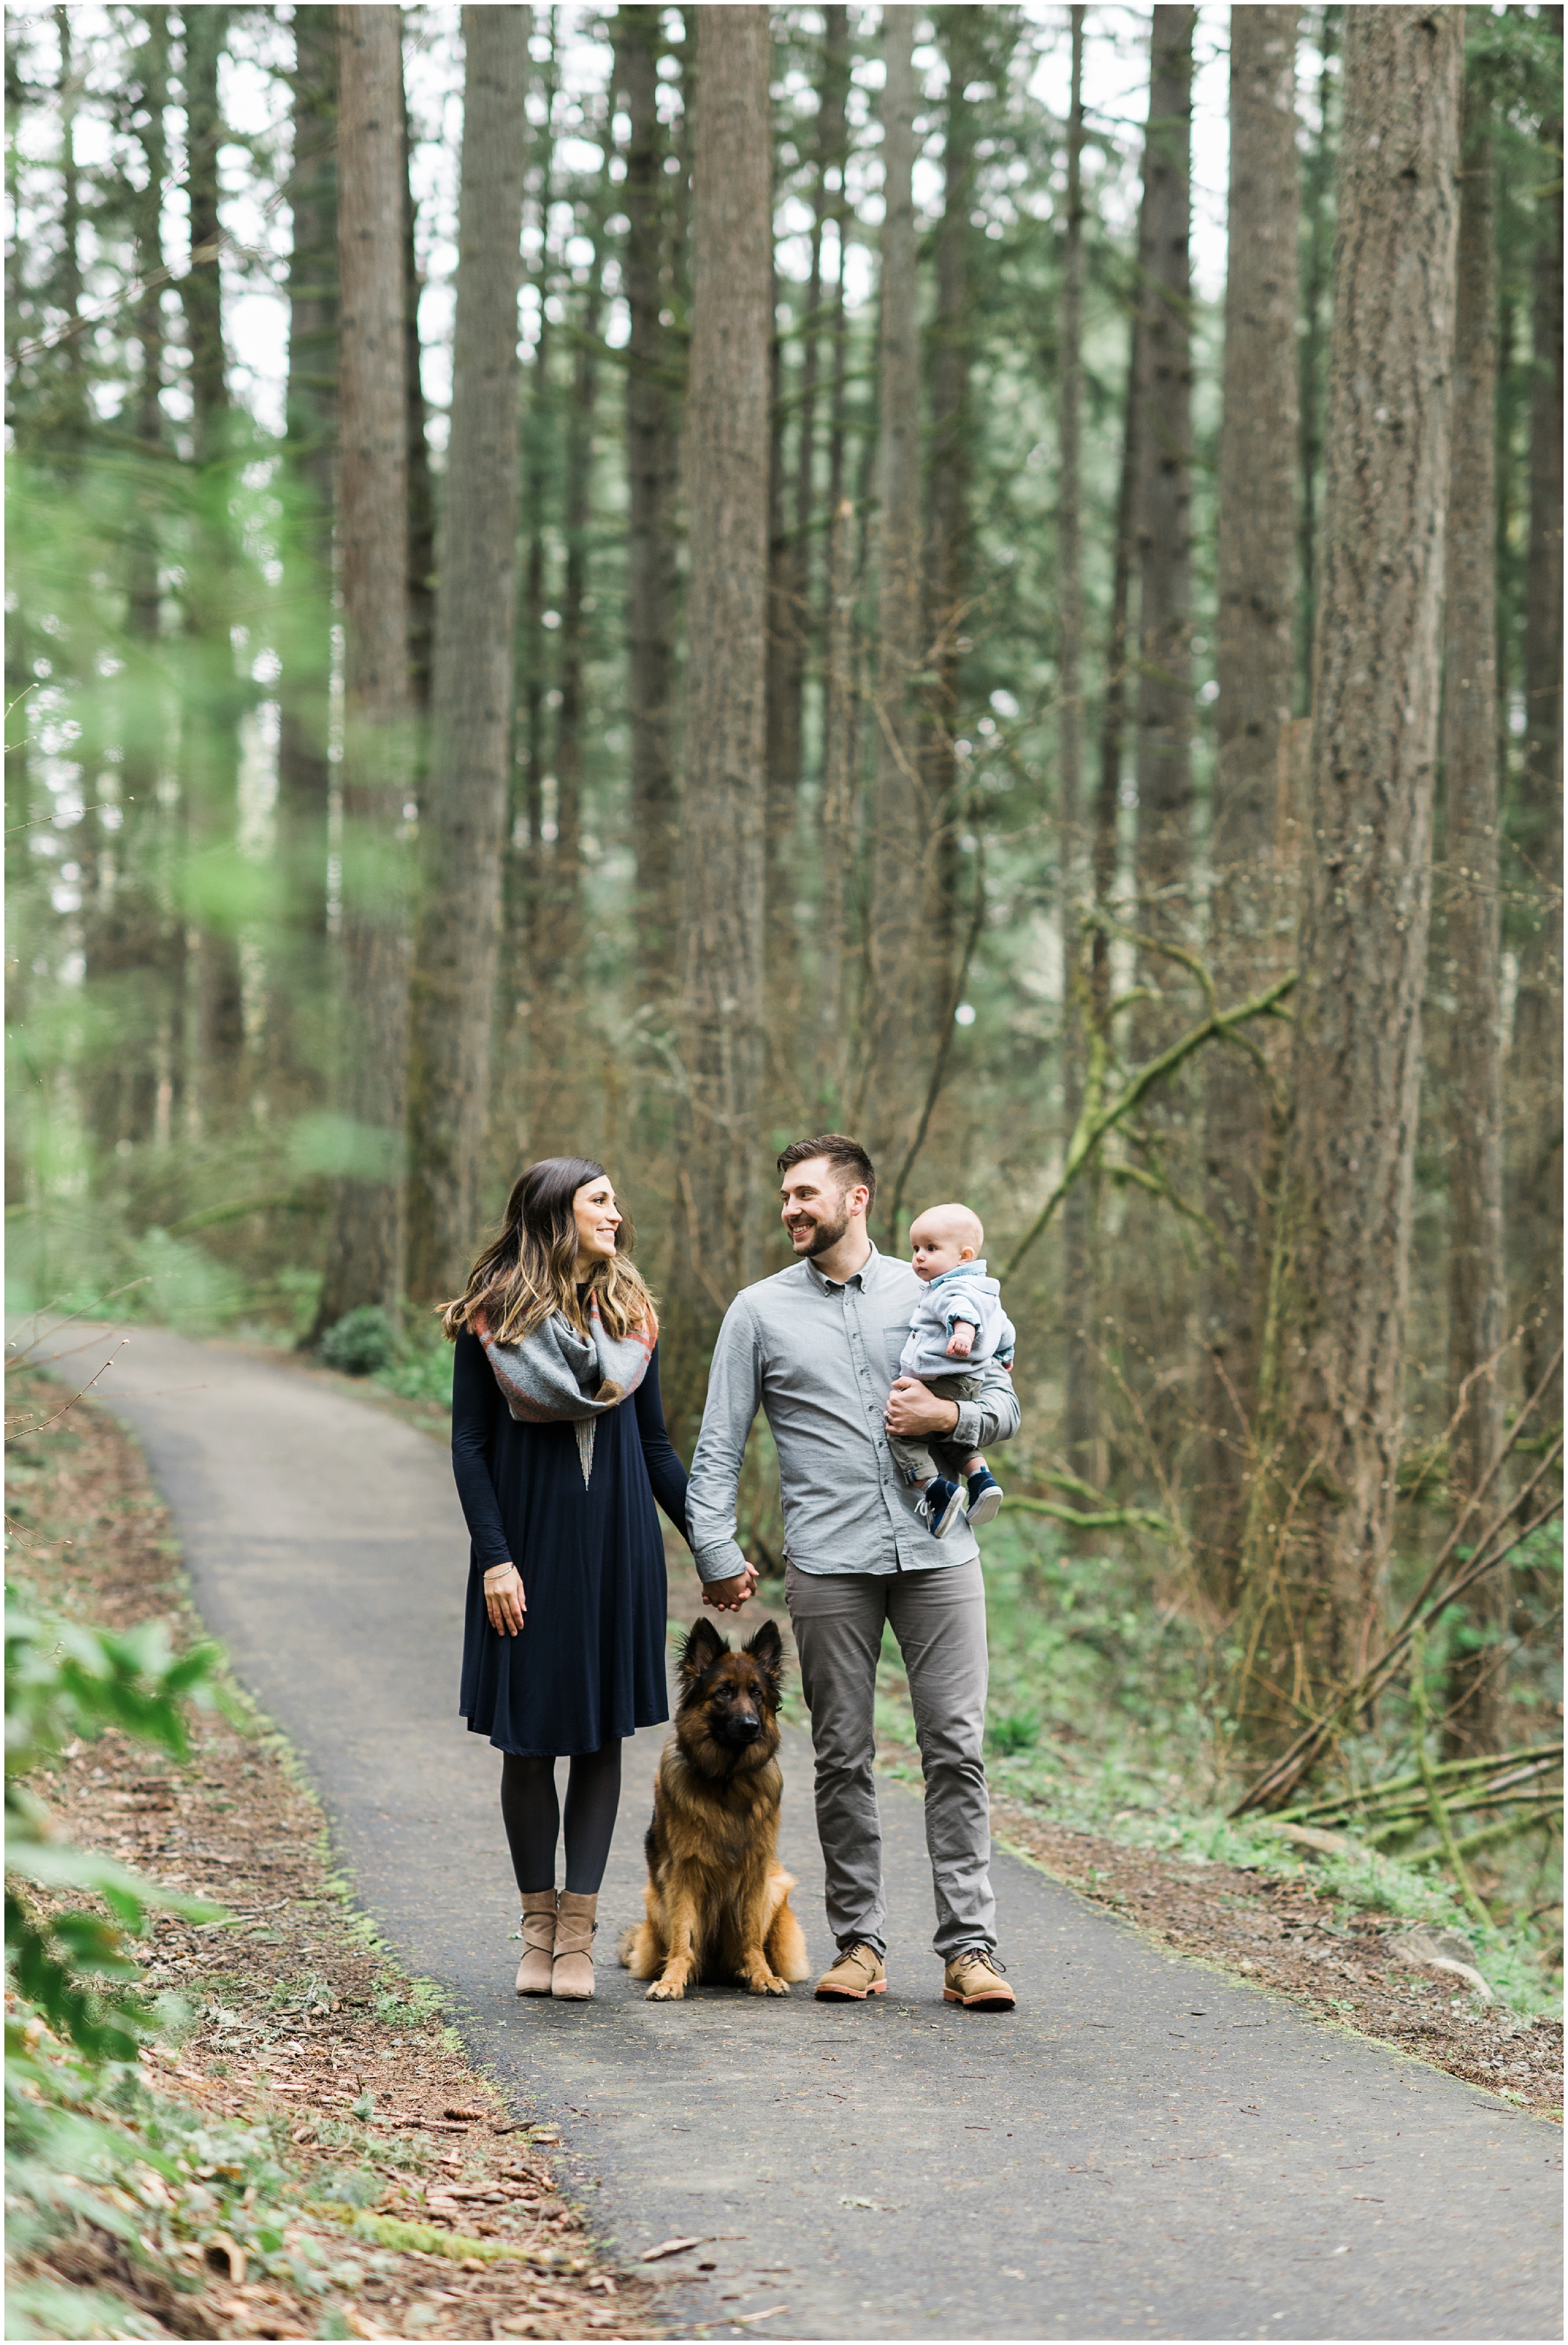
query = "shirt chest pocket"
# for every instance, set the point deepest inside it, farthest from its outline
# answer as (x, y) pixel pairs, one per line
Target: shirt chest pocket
(884, 1341)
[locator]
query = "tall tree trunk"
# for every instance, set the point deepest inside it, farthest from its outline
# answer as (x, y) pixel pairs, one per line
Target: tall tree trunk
(1105, 844)
(836, 622)
(1080, 1411)
(1317, 273)
(785, 668)
(721, 839)
(1468, 933)
(305, 688)
(212, 770)
(521, 971)
(1165, 492)
(838, 742)
(1255, 669)
(947, 583)
(556, 1094)
(462, 825)
(901, 821)
(833, 145)
(422, 491)
(1536, 1071)
(137, 946)
(365, 1239)
(73, 424)
(653, 462)
(1320, 1513)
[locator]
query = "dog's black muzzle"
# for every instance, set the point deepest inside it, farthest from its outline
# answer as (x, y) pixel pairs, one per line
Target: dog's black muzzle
(743, 1729)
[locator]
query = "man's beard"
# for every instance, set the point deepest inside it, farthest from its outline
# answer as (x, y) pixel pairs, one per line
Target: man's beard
(828, 1234)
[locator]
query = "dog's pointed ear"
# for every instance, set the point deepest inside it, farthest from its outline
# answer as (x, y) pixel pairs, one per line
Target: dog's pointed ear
(704, 1646)
(766, 1648)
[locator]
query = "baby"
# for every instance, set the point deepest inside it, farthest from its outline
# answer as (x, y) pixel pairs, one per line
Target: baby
(959, 1318)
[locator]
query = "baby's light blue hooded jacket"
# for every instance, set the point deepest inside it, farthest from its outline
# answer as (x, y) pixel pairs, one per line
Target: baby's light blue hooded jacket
(963, 1292)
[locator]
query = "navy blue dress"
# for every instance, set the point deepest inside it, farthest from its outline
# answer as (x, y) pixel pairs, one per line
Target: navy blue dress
(588, 1666)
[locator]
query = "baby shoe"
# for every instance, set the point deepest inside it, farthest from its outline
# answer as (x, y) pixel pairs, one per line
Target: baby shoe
(984, 1498)
(941, 1507)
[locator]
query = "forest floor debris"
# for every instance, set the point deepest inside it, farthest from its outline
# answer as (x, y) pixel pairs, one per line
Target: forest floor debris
(407, 2199)
(1338, 1963)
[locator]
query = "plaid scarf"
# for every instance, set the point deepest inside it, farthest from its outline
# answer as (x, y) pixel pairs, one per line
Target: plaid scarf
(557, 1376)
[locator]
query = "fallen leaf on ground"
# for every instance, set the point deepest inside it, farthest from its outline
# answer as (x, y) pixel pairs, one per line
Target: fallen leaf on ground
(667, 2247)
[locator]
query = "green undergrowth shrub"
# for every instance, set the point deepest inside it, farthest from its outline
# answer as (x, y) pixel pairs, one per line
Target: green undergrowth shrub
(413, 1360)
(138, 2195)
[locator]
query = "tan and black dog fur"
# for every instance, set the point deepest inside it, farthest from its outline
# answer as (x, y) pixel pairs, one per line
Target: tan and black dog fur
(717, 1897)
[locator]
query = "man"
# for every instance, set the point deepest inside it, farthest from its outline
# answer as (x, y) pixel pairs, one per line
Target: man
(817, 1346)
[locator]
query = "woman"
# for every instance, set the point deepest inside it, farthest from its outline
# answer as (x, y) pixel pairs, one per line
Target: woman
(559, 1449)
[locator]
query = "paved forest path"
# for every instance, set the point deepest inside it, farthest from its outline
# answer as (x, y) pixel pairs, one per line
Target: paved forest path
(1145, 2148)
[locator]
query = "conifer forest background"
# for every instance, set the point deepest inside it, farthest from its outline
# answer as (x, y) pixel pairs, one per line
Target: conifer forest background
(650, 581)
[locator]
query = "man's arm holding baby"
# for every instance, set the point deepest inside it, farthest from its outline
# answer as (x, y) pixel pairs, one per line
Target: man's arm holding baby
(735, 1395)
(913, 1411)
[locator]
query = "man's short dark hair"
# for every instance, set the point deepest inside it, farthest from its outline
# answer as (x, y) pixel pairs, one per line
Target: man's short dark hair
(845, 1155)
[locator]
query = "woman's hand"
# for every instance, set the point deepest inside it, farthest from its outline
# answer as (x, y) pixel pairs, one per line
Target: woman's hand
(504, 1600)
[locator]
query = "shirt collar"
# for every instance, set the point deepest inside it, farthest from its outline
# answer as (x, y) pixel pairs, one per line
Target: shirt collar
(860, 1277)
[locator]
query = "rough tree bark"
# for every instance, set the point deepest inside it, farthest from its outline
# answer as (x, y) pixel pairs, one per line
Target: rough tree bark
(900, 818)
(1165, 488)
(1255, 669)
(421, 491)
(304, 695)
(1536, 1062)
(212, 763)
(462, 824)
(722, 836)
(1080, 1409)
(653, 463)
(1320, 1511)
(1468, 945)
(785, 671)
(1316, 272)
(365, 1236)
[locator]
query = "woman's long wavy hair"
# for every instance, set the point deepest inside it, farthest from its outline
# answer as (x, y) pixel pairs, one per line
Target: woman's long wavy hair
(529, 1271)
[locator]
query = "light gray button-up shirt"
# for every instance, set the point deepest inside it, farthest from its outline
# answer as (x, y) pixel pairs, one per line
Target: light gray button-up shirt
(819, 1358)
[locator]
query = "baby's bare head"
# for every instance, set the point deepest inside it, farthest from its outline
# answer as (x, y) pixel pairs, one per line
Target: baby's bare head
(941, 1237)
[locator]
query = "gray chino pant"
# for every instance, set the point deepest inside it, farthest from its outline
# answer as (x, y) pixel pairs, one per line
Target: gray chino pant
(939, 1619)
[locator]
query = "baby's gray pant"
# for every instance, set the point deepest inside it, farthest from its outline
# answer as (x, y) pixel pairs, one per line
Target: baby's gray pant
(917, 1461)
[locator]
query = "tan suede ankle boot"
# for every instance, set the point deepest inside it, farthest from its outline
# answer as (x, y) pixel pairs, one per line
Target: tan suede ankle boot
(538, 1909)
(572, 1975)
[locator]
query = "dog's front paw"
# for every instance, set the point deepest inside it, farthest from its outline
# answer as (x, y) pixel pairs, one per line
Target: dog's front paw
(765, 1983)
(667, 1990)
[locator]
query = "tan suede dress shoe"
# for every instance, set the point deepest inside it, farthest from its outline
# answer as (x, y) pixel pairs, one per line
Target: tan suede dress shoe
(855, 1975)
(975, 1979)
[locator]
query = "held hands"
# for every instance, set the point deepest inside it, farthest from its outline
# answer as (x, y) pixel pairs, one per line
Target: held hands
(912, 1411)
(503, 1598)
(961, 1342)
(729, 1595)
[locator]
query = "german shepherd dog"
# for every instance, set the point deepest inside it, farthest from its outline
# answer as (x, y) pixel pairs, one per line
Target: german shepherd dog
(717, 1897)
